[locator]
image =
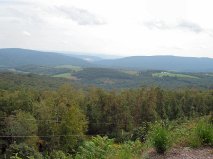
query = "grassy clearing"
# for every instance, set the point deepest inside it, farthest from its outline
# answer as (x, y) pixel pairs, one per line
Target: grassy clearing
(204, 132)
(74, 68)
(209, 74)
(130, 72)
(66, 75)
(169, 74)
(63, 75)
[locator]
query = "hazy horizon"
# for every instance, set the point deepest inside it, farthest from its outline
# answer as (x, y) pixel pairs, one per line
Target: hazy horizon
(102, 55)
(112, 28)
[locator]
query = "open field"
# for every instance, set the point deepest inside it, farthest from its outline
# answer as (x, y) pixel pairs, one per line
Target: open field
(74, 68)
(169, 74)
(63, 75)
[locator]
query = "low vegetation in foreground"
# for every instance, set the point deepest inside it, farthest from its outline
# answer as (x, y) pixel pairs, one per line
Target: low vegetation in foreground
(161, 136)
(71, 123)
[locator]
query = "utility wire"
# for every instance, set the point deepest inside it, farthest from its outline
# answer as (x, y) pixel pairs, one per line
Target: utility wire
(56, 121)
(45, 136)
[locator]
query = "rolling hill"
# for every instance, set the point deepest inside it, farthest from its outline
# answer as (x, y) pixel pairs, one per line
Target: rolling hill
(14, 57)
(170, 63)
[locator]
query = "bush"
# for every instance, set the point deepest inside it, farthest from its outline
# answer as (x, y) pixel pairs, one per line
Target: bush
(15, 156)
(105, 148)
(204, 132)
(120, 137)
(23, 151)
(128, 150)
(160, 138)
(140, 132)
(194, 141)
(181, 133)
(59, 155)
(99, 147)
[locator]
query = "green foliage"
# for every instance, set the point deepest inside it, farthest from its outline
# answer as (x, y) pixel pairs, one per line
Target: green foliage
(194, 141)
(72, 128)
(74, 68)
(42, 70)
(140, 133)
(29, 76)
(48, 120)
(99, 147)
(160, 138)
(63, 75)
(181, 131)
(59, 155)
(23, 151)
(204, 132)
(15, 157)
(115, 78)
(21, 124)
(129, 150)
(170, 74)
(105, 148)
(95, 73)
(13, 81)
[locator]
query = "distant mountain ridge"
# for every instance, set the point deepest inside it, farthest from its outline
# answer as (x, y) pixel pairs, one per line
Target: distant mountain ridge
(170, 63)
(13, 57)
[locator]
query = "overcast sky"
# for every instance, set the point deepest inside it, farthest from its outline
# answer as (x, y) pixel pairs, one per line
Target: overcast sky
(114, 27)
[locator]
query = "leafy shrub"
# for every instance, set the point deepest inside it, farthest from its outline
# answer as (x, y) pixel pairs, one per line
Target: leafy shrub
(204, 131)
(181, 133)
(140, 132)
(59, 155)
(74, 122)
(15, 156)
(160, 138)
(99, 147)
(194, 141)
(128, 150)
(21, 124)
(105, 148)
(23, 151)
(120, 137)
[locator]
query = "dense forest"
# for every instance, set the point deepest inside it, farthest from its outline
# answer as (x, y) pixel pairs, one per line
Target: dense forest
(36, 123)
(45, 77)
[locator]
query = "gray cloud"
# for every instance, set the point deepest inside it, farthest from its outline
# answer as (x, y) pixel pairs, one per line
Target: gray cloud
(26, 33)
(181, 25)
(13, 2)
(24, 15)
(190, 26)
(81, 16)
(161, 25)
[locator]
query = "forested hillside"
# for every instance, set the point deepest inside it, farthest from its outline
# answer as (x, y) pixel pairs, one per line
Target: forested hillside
(13, 57)
(13, 81)
(52, 123)
(48, 77)
(54, 106)
(169, 63)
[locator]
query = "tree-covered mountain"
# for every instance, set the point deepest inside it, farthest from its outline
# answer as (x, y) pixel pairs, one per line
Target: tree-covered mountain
(14, 57)
(171, 63)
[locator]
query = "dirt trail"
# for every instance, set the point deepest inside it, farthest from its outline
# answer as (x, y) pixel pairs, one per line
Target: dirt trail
(184, 153)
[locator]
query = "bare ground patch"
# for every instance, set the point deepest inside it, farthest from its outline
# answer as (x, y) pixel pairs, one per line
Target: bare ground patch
(183, 153)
